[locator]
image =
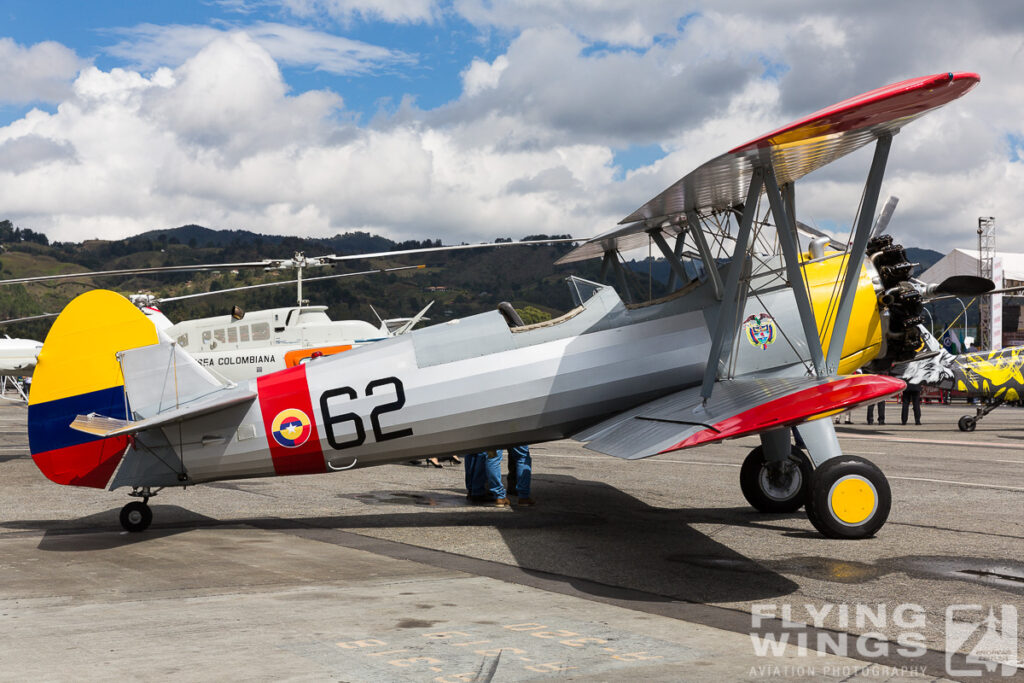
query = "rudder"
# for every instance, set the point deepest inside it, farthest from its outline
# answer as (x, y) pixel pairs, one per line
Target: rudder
(77, 374)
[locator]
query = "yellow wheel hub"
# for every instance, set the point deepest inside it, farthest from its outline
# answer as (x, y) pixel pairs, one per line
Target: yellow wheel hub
(853, 500)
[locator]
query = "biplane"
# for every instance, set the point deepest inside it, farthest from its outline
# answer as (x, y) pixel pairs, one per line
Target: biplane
(759, 337)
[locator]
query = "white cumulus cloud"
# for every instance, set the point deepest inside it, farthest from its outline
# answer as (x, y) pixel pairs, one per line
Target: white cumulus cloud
(38, 73)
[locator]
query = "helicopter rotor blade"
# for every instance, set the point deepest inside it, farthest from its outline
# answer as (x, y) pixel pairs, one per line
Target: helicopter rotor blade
(149, 301)
(457, 247)
(139, 271)
(285, 282)
(29, 318)
(298, 261)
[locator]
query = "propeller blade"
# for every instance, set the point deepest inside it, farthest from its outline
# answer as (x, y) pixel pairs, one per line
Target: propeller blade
(965, 285)
(884, 217)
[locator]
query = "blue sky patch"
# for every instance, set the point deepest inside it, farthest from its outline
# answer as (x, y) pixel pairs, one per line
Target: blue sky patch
(1015, 143)
(634, 157)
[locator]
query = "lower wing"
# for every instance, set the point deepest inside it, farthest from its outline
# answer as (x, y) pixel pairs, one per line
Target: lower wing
(736, 408)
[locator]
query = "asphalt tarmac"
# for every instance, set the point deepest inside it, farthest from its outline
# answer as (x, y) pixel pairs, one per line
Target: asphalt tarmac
(647, 570)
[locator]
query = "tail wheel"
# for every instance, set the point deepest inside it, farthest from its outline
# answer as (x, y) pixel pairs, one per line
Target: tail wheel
(776, 486)
(136, 516)
(849, 498)
(967, 423)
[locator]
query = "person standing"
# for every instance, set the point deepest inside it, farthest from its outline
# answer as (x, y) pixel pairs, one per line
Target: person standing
(881, 413)
(912, 395)
(476, 478)
(492, 473)
(520, 466)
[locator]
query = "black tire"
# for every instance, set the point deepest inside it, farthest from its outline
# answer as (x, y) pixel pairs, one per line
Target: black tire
(136, 516)
(967, 423)
(782, 488)
(849, 498)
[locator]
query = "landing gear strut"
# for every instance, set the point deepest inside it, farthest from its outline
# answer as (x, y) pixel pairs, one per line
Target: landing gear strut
(136, 515)
(967, 423)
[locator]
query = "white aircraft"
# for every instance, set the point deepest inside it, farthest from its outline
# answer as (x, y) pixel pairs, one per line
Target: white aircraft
(761, 344)
(18, 356)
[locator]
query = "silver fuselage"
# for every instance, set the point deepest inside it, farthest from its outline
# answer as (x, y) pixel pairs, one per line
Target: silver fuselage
(475, 383)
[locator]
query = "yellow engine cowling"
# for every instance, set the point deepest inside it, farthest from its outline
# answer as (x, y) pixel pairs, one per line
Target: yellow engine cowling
(864, 336)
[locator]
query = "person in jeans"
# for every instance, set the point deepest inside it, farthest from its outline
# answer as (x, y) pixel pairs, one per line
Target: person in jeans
(496, 495)
(476, 478)
(520, 465)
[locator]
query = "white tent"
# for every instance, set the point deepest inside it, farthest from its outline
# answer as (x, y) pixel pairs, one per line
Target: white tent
(965, 262)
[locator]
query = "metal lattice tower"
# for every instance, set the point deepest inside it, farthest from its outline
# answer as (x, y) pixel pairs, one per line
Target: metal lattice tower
(986, 256)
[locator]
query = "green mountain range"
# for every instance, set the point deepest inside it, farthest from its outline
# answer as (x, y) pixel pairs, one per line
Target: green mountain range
(460, 283)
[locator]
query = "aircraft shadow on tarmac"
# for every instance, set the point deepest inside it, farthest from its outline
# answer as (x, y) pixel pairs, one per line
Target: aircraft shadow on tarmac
(588, 533)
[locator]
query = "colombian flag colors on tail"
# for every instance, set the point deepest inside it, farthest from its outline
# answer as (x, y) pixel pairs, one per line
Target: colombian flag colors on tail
(77, 374)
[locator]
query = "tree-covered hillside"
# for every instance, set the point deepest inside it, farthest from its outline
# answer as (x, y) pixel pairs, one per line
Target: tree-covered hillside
(460, 283)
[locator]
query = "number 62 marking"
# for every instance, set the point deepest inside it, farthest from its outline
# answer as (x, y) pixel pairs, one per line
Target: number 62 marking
(357, 422)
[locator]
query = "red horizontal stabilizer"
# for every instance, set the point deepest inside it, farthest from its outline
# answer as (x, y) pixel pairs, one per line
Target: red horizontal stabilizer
(839, 394)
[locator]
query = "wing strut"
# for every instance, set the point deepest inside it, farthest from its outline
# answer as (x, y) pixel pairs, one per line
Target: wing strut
(861, 234)
(725, 328)
(710, 265)
(670, 256)
(677, 254)
(790, 252)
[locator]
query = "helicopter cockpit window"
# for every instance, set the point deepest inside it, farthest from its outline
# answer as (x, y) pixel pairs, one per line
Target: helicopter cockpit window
(232, 335)
(312, 317)
(261, 332)
(243, 333)
(207, 336)
(219, 335)
(183, 340)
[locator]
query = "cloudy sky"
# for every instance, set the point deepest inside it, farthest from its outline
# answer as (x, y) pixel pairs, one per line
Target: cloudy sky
(475, 119)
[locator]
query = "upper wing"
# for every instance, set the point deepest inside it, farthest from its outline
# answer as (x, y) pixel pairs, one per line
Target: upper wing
(737, 408)
(795, 150)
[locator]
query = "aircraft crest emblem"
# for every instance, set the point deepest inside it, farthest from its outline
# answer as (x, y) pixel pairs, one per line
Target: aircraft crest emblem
(759, 329)
(291, 428)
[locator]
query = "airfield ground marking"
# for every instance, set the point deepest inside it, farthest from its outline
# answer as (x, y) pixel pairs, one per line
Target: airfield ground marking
(677, 462)
(883, 437)
(960, 483)
(729, 464)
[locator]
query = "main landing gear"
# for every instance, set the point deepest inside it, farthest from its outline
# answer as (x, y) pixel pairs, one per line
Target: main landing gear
(136, 515)
(845, 497)
(967, 423)
(778, 486)
(849, 498)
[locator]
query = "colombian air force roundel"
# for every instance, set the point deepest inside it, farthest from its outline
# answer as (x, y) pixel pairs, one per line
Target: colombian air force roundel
(291, 428)
(759, 329)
